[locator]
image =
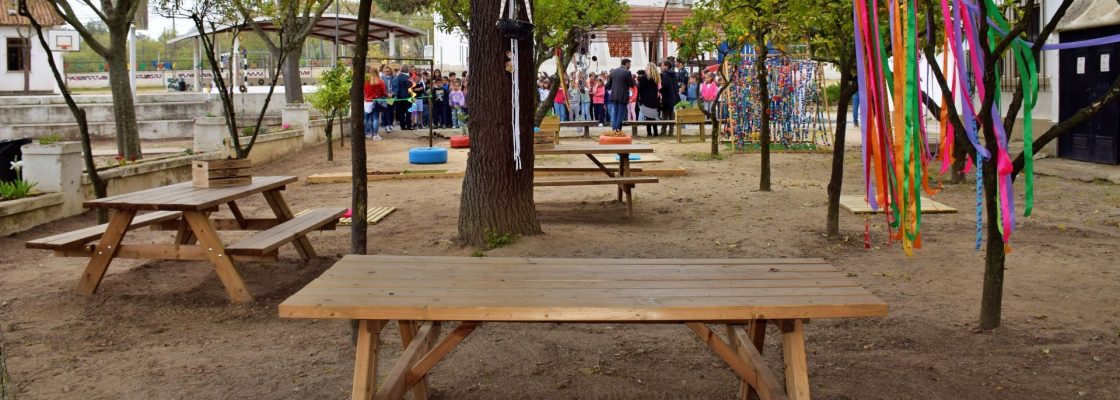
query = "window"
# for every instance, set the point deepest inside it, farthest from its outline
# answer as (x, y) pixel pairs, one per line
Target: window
(1034, 27)
(17, 54)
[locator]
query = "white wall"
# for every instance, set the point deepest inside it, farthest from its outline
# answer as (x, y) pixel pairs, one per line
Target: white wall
(449, 50)
(41, 78)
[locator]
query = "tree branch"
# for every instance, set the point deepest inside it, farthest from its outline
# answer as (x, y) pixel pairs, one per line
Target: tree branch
(63, 9)
(1017, 99)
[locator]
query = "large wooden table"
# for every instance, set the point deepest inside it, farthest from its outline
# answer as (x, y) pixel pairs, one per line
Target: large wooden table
(420, 293)
(197, 237)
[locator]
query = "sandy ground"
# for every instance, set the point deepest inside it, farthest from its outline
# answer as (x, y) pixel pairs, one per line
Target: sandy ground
(165, 330)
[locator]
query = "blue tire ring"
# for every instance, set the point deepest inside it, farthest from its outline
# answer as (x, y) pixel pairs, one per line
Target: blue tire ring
(427, 155)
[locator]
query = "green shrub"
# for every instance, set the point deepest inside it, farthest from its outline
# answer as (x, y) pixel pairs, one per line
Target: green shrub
(832, 91)
(16, 189)
(495, 239)
(703, 156)
(49, 139)
(249, 130)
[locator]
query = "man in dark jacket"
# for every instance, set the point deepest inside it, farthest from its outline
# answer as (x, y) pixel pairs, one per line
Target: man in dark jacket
(682, 76)
(620, 82)
(649, 104)
(402, 83)
(670, 94)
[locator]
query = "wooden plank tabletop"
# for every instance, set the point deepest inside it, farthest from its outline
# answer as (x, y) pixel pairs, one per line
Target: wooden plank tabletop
(587, 290)
(595, 149)
(857, 205)
(186, 197)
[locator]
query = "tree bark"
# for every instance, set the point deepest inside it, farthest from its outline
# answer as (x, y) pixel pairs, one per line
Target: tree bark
(991, 302)
(358, 189)
(497, 198)
(293, 84)
(128, 135)
(763, 80)
(836, 182)
(328, 132)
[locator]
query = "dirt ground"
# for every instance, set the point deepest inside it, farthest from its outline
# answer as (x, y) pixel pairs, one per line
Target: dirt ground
(165, 329)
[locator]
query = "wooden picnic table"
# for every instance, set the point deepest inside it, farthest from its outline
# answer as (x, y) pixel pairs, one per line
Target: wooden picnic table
(186, 209)
(621, 177)
(420, 293)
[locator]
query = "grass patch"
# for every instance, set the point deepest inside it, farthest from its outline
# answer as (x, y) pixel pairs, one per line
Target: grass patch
(703, 156)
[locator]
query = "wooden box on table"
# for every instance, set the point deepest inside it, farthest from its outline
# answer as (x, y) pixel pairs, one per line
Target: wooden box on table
(221, 173)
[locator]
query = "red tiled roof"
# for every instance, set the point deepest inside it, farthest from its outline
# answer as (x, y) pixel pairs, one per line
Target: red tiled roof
(41, 9)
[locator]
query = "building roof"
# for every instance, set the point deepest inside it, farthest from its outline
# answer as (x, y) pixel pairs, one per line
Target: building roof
(40, 9)
(379, 29)
(645, 20)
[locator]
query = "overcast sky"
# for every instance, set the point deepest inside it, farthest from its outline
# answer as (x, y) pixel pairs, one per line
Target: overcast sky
(156, 23)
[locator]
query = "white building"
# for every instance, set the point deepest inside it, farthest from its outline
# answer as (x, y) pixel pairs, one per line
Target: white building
(641, 39)
(23, 63)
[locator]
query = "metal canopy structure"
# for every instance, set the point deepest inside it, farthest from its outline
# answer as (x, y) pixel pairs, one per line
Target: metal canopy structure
(345, 24)
(646, 21)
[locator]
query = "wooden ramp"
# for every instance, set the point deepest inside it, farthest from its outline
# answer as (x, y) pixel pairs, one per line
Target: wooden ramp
(373, 215)
(856, 205)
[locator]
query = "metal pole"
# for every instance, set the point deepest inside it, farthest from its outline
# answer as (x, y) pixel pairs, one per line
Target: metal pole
(392, 44)
(334, 62)
(132, 59)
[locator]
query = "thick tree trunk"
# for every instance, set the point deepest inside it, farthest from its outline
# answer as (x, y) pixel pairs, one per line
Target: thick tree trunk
(497, 197)
(991, 303)
(358, 189)
(836, 182)
(330, 139)
(293, 84)
(128, 134)
(764, 102)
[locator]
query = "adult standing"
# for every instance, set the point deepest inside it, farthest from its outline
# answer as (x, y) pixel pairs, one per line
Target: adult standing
(682, 77)
(670, 94)
(649, 104)
(620, 82)
(387, 107)
(402, 86)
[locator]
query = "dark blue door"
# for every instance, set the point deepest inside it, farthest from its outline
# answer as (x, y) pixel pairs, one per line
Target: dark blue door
(1085, 74)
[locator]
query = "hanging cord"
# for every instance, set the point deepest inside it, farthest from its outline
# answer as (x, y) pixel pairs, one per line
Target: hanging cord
(516, 91)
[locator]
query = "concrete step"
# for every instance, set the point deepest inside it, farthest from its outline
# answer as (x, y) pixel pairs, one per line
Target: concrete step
(154, 129)
(100, 112)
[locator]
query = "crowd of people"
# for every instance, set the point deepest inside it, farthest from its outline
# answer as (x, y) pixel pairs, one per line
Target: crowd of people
(610, 97)
(399, 98)
(407, 97)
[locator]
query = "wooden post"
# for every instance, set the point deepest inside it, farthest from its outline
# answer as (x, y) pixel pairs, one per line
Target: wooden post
(216, 253)
(365, 363)
(793, 352)
(105, 251)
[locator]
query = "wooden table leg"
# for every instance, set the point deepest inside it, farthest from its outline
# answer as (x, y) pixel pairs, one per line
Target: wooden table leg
(233, 208)
(365, 361)
(216, 253)
(105, 251)
(793, 353)
(283, 213)
(623, 170)
(409, 329)
(757, 333)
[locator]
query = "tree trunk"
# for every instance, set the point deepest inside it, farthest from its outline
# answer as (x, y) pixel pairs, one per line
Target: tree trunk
(128, 135)
(496, 197)
(358, 189)
(764, 102)
(293, 84)
(991, 302)
(836, 182)
(330, 140)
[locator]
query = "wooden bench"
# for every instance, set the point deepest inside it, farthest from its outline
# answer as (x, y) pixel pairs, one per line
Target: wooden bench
(551, 124)
(76, 239)
(268, 241)
(577, 169)
(634, 124)
(426, 295)
(625, 183)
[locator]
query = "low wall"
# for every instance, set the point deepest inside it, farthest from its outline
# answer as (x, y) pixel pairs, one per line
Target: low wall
(274, 146)
(19, 215)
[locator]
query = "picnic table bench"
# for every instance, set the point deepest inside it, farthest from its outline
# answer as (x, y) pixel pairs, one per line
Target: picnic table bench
(688, 118)
(421, 293)
(186, 209)
(620, 177)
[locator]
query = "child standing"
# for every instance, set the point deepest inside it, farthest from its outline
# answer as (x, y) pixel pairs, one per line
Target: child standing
(631, 106)
(598, 95)
(458, 101)
(439, 104)
(584, 100)
(693, 91)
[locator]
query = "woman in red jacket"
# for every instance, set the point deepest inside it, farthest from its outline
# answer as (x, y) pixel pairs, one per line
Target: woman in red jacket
(375, 95)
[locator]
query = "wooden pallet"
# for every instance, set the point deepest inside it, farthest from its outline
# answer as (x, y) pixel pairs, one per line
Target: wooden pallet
(857, 205)
(373, 215)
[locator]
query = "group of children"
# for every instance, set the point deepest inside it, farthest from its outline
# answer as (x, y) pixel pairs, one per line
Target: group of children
(402, 95)
(584, 97)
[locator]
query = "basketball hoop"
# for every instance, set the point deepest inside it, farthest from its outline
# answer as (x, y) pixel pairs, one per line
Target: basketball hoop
(64, 47)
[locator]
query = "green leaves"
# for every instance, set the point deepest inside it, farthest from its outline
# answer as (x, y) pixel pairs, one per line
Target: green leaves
(334, 90)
